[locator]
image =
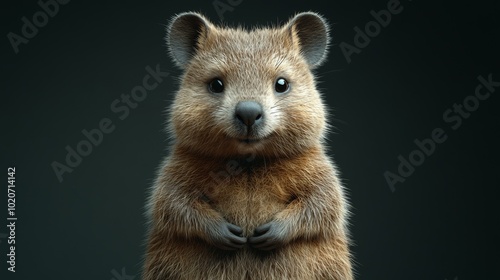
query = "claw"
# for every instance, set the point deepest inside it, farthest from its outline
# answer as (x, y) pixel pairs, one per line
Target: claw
(266, 237)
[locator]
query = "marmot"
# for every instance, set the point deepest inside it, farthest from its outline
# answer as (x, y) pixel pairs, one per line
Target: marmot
(247, 191)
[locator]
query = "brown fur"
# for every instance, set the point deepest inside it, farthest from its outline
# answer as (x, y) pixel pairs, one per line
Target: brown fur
(285, 177)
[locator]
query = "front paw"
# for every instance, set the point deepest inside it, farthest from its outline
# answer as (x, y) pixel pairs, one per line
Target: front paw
(268, 236)
(227, 236)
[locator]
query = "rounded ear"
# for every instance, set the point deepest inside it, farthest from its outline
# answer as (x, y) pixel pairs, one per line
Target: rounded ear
(311, 31)
(184, 34)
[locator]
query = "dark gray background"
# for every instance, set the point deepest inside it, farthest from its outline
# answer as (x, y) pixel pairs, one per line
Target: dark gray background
(440, 223)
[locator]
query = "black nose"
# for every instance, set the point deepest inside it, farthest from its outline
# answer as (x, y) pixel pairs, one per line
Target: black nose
(249, 112)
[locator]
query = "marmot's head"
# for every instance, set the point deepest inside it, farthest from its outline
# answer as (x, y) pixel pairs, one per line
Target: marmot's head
(248, 91)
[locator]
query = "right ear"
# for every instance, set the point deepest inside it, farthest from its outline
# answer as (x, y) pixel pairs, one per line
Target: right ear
(184, 34)
(311, 30)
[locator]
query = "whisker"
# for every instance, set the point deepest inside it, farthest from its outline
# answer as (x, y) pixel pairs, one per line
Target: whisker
(279, 62)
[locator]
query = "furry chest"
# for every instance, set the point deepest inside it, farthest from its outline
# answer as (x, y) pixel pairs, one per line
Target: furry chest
(247, 199)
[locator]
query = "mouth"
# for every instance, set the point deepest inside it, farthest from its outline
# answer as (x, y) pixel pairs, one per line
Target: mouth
(252, 140)
(249, 140)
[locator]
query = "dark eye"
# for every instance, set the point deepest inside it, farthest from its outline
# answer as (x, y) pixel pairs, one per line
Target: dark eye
(216, 86)
(281, 85)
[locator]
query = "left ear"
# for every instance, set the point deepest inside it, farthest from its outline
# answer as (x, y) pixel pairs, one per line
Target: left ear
(311, 31)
